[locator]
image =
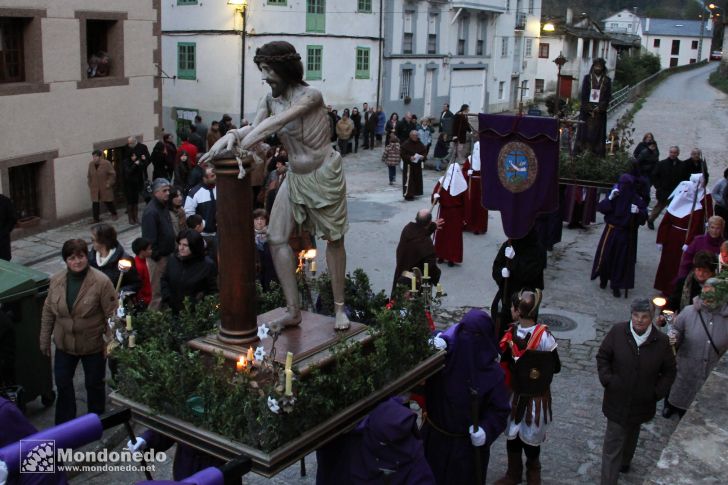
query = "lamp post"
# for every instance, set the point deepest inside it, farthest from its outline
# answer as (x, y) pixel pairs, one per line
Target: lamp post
(559, 61)
(707, 8)
(242, 7)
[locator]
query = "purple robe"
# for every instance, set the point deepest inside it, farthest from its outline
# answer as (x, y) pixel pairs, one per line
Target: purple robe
(700, 243)
(14, 427)
(617, 250)
(384, 448)
(470, 365)
(187, 460)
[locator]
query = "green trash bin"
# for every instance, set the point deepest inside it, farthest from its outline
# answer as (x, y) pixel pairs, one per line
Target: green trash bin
(22, 294)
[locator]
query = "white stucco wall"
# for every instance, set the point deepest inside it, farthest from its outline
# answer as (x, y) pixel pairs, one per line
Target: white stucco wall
(686, 51)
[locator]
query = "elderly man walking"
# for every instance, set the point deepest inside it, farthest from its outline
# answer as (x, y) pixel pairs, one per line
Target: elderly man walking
(636, 367)
(101, 178)
(157, 228)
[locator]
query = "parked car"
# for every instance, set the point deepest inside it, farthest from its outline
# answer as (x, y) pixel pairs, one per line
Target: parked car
(716, 55)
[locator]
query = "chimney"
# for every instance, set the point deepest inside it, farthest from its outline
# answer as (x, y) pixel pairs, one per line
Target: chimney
(569, 16)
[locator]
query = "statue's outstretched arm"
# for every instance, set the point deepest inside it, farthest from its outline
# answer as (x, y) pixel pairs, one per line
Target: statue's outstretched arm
(311, 99)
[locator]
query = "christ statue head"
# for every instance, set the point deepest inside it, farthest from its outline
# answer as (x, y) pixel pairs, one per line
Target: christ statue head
(280, 65)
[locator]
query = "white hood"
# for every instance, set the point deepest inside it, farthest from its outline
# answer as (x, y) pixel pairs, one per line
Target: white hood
(453, 180)
(475, 157)
(681, 199)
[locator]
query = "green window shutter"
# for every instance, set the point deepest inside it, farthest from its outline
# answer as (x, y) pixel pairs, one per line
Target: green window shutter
(186, 60)
(314, 55)
(186, 2)
(362, 62)
(278, 3)
(315, 16)
(364, 6)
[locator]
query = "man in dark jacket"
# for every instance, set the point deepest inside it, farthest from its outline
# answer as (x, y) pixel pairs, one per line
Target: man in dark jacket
(415, 247)
(667, 175)
(7, 223)
(695, 164)
(636, 367)
(157, 228)
(446, 119)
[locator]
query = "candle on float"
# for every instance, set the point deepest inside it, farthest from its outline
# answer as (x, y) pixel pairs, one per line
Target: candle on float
(289, 382)
(439, 288)
(427, 270)
(128, 322)
(132, 341)
(250, 354)
(313, 266)
(240, 364)
(289, 360)
(414, 283)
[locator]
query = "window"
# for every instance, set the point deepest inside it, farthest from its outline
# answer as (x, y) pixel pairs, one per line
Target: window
(543, 50)
(12, 52)
(462, 35)
(694, 45)
(501, 89)
(432, 34)
(587, 48)
(675, 51)
(102, 51)
(504, 47)
(656, 43)
(278, 3)
(524, 89)
(408, 33)
(508, 5)
(529, 48)
(25, 190)
(461, 47)
(364, 6)
(362, 63)
(614, 26)
(431, 43)
(314, 55)
(188, 2)
(673, 62)
(692, 61)
(539, 86)
(530, 6)
(480, 39)
(407, 43)
(405, 83)
(315, 15)
(186, 60)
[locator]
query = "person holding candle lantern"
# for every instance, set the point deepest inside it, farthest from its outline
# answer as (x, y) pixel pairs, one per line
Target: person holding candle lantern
(105, 254)
(700, 334)
(415, 248)
(80, 300)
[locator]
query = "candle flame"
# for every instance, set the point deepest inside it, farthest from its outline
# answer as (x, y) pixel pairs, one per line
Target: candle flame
(124, 265)
(659, 301)
(310, 254)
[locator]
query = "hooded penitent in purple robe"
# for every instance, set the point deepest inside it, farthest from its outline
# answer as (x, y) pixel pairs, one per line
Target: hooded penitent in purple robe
(700, 243)
(384, 448)
(470, 365)
(617, 250)
(14, 427)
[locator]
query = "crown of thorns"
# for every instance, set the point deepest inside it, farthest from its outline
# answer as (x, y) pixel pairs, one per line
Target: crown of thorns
(294, 56)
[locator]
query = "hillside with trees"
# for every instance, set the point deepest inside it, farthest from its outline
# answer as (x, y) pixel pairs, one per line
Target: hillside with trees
(678, 9)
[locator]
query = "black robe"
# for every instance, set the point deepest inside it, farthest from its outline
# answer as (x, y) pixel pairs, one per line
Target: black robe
(415, 248)
(7, 223)
(592, 135)
(412, 172)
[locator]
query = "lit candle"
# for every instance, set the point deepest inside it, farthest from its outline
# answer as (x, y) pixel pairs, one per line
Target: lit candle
(289, 382)
(250, 354)
(439, 288)
(289, 360)
(132, 341)
(240, 364)
(427, 270)
(128, 322)
(313, 266)
(414, 283)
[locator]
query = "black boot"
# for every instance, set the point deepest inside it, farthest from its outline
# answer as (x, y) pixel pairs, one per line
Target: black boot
(533, 472)
(514, 474)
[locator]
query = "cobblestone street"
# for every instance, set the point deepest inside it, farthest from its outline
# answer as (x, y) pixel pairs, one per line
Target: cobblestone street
(572, 453)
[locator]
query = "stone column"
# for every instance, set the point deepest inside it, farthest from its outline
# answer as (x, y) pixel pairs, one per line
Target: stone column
(236, 253)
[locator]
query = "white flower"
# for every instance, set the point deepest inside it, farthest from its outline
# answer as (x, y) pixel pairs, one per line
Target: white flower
(263, 332)
(273, 405)
(259, 353)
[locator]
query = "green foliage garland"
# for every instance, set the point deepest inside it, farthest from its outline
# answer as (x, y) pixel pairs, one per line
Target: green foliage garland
(163, 373)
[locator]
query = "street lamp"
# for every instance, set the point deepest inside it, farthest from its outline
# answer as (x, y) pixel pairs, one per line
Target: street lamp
(242, 7)
(709, 8)
(549, 27)
(559, 61)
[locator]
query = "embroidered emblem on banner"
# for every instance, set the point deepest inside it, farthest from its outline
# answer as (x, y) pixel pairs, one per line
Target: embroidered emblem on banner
(517, 166)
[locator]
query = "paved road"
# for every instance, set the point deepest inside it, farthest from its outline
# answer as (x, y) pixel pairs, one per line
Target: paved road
(685, 111)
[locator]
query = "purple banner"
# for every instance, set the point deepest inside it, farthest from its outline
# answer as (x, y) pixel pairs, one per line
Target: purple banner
(519, 156)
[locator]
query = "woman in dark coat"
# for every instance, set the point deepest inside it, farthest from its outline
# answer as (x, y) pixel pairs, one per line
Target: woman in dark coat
(105, 254)
(356, 118)
(391, 127)
(624, 211)
(134, 170)
(471, 374)
(189, 274)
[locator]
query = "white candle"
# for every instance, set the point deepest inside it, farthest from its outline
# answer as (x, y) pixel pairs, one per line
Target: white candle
(132, 341)
(427, 270)
(313, 266)
(128, 322)
(289, 382)
(289, 360)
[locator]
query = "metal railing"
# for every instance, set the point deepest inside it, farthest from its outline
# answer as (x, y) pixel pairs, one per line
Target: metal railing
(619, 98)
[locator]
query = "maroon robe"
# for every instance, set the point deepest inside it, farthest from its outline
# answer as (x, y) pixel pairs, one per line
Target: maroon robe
(672, 235)
(476, 216)
(449, 239)
(580, 205)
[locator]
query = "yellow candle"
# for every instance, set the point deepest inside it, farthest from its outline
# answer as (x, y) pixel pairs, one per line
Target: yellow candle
(427, 270)
(289, 360)
(414, 283)
(439, 288)
(289, 382)
(313, 266)
(240, 365)
(132, 341)
(128, 322)
(250, 354)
